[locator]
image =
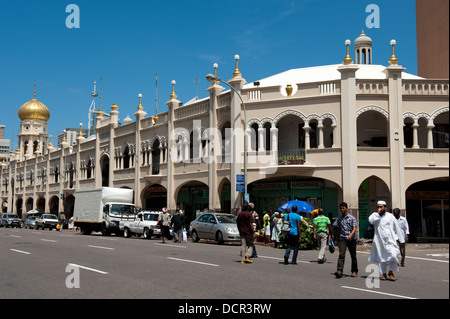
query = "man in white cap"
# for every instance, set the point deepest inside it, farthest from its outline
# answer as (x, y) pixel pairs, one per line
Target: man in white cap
(385, 249)
(164, 221)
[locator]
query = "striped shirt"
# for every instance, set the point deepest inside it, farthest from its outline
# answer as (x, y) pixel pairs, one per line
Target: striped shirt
(321, 223)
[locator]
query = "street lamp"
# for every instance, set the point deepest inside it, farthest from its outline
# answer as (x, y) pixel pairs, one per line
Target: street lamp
(211, 78)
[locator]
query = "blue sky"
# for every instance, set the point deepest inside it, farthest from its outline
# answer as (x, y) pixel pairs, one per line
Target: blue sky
(128, 42)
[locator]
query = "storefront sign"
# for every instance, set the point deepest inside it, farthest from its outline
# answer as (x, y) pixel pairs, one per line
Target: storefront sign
(262, 186)
(427, 194)
(306, 184)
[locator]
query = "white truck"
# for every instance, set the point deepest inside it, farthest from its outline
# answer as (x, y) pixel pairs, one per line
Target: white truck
(144, 224)
(102, 209)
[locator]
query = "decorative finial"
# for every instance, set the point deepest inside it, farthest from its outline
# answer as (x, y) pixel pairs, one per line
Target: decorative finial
(34, 91)
(81, 130)
(236, 72)
(173, 95)
(393, 60)
(348, 59)
(64, 138)
(114, 107)
(215, 65)
(140, 107)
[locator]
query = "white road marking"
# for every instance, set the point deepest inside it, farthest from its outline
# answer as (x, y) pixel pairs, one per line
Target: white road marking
(90, 269)
(378, 292)
(193, 261)
(282, 259)
(418, 258)
(100, 247)
(15, 236)
(49, 240)
(169, 245)
(20, 251)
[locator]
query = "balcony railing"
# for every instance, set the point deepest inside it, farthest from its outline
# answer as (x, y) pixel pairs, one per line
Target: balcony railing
(291, 157)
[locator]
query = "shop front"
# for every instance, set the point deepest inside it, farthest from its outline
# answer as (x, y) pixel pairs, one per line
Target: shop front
(427, 212)
(273, 194)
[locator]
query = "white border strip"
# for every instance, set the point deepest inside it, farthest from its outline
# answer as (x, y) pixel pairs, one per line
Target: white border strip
(193, 261)
(20, 251)
(379, 292)
(87, 268)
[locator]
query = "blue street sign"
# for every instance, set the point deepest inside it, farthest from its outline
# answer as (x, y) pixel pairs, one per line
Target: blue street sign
(240, 178)
(240, 188)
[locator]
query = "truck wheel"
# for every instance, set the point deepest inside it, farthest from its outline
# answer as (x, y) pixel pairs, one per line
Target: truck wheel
(147, 234)
(195, 237)
(126, 233)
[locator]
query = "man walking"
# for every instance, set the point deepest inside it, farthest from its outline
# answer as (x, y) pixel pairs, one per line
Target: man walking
(177, 222)
(385, 250)
(294, 237)
(346, 239)
(322, 229)
(164, 223)
(404, 227)
(244, 223)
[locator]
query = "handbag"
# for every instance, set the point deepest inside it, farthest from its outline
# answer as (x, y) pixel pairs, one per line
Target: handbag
(286, 229)
(331, 246)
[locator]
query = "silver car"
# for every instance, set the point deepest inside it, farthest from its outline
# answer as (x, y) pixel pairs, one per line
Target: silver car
(215, 226)
(30, 222)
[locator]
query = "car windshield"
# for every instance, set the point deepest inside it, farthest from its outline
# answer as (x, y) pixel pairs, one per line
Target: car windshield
(122, 211)
(49, 216)
(226, 219)
(151, 217)
(10, 216)
(32, 218)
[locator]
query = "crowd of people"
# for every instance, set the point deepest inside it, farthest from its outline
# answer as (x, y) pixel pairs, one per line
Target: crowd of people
(388, 247)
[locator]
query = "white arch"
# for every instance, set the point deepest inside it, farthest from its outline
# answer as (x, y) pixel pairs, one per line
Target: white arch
(372, 108)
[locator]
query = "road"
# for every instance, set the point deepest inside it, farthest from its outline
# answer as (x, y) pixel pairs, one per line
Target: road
(49, 264)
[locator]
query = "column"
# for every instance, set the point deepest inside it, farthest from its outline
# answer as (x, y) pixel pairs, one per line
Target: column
(172, 104)
(237, 140)
(348, 133)
(140, 114)
(415, 126)
(216, 154)
(396, 139)
(430, 128)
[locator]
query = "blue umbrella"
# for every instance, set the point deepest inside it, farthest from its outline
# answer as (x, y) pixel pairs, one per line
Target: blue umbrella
(302, 206)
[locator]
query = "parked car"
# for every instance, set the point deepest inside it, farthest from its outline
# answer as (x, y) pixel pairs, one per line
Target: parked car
(215, 226)
(144, 224)
(47, 221)
(10, 220)
(30, 222)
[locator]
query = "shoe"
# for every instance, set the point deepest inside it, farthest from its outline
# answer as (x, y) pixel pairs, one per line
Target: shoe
(391, 276)
(294, 263)
(383, 277)
(286, 260)
(354, 274)
(248, 261)
(338, 274)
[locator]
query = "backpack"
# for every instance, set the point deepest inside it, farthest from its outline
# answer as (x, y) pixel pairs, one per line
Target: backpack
(286, 229)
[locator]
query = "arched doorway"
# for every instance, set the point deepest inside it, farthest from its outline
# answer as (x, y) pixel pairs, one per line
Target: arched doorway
(54, 205)
(192, 198)
(69, 204)
(29, 204)
(154, 197)
(104, 166)
(40, 204)
(427, 209)
(19, 205)
(370, 191)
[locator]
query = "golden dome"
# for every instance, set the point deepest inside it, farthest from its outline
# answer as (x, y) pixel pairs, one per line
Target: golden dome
(34, 110)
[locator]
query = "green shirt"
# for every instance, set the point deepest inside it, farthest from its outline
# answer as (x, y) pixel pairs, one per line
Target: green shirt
(321, 222)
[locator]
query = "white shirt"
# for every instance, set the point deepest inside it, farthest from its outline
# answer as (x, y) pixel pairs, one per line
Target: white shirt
(387, 232)
(403, 224)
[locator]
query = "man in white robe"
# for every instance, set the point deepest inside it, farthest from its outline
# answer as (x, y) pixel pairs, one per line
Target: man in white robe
(385, 250)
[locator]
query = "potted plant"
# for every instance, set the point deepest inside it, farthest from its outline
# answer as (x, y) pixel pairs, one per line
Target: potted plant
(291, 160)
(300, 159)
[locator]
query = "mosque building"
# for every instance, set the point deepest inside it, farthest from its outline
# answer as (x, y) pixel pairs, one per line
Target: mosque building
(353, 131)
